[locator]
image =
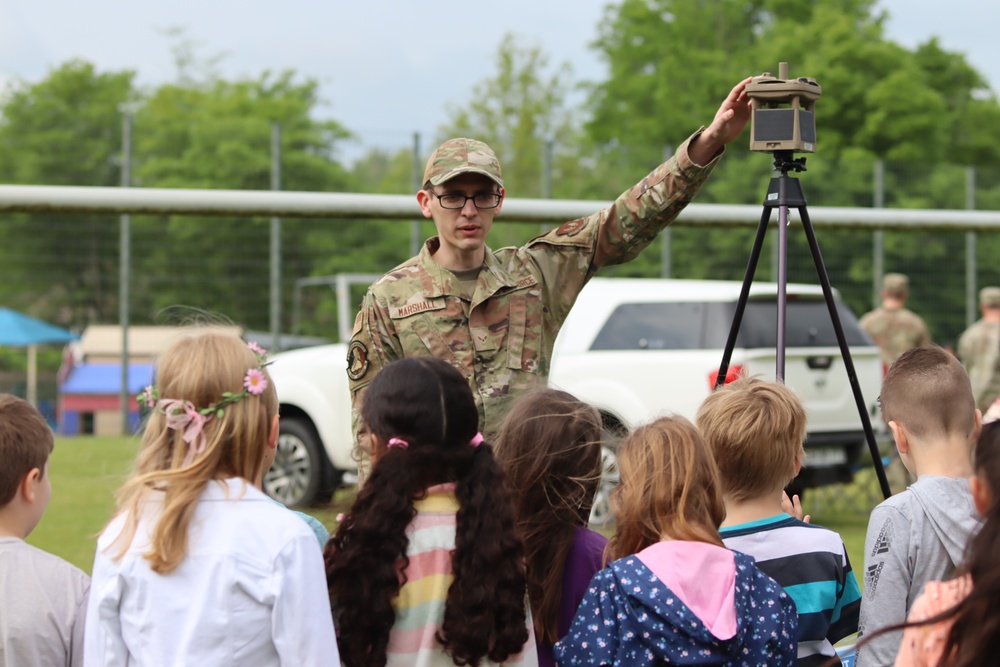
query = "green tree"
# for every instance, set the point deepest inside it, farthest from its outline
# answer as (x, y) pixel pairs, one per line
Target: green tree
(217, 134)
(972, 122)
(63, 130)
(876, 96)
(385, 172)
(670, 62)
(521, 112)
(517, 111)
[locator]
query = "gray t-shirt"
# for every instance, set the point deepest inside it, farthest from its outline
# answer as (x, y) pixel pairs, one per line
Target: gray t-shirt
(914, 537)
(43, 602)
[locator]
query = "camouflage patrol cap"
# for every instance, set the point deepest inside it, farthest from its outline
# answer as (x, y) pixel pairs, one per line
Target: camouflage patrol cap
(989, 297)
(462, 156)
(896, 284)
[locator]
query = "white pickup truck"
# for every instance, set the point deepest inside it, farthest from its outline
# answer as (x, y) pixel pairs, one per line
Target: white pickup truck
(634, 348)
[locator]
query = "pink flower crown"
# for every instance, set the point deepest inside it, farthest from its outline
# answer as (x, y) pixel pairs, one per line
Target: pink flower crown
(185, 416)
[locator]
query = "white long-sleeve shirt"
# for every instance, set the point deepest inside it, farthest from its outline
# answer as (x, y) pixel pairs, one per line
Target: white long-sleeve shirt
(251, 591)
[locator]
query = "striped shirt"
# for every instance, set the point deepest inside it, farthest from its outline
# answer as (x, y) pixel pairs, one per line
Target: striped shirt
(811, 564)
(421, 602)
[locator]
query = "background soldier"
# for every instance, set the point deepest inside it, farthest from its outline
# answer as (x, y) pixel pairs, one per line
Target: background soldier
(495, 315)
(979, 349)
(894, 328)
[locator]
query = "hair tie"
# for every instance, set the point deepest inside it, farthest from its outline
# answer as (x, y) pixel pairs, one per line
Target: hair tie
(184, 416)
(398, 442)
(477, 440)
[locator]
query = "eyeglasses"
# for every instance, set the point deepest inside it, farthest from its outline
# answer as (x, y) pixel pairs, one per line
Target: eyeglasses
(454, 200)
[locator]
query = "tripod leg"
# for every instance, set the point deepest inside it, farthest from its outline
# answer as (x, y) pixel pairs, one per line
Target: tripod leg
(734, 329)
(852, 375)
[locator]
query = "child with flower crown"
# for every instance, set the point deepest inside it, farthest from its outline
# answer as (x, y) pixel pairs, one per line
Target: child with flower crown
(198, 567)
(426, 569)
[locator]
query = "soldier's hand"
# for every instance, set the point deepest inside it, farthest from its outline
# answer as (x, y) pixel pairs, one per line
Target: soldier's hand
(729, 121)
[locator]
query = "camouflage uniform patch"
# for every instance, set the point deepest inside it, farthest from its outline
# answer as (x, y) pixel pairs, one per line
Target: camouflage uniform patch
(895, 331)
(503, 346)
(357, 360)
(570, 228)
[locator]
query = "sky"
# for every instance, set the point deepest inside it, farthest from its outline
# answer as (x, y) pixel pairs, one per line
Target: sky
(385, 69)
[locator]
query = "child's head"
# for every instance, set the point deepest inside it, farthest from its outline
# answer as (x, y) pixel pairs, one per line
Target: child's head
(25, 444)
(927, 393)
(755, 429)
(211, 408)
(975, 629)
(550, 447)
(212, 416)
(424, 432)
(419, 403)
(986, 462)
(669, 488)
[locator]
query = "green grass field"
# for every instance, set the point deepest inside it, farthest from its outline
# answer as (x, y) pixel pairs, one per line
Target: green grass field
(86, 472)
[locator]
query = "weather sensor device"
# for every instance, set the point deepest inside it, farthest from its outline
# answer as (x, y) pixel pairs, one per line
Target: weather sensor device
(783, 112)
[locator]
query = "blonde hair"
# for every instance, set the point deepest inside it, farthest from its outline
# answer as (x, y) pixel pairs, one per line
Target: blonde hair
(196, 368)
(755, 429)
(669, 488)
(928, 391)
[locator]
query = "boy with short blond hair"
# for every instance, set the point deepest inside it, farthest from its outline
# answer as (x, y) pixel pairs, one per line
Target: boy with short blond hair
(756, 430)
(42, 597)
(920, 534)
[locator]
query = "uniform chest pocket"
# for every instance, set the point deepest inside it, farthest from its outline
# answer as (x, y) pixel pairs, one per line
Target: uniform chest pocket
(427, 327)
(524, 334)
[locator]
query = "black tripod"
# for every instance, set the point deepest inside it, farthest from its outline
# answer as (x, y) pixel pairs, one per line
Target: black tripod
(782, 192)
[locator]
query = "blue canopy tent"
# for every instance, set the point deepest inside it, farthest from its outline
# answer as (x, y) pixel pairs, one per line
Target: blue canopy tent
(19, 330)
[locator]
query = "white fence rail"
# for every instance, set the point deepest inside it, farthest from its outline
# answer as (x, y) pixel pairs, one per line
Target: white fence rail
(79, 199)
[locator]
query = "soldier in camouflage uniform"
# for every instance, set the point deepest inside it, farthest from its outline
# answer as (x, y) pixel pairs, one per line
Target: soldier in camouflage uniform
(979, 349)
(894, 328)
(495, 314)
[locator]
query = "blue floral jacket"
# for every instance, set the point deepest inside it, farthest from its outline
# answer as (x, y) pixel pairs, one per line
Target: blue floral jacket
(629, 617)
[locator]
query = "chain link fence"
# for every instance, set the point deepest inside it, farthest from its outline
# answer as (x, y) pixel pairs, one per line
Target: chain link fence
(65, 268)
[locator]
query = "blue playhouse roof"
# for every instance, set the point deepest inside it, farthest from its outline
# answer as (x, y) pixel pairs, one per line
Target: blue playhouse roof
(106, 379)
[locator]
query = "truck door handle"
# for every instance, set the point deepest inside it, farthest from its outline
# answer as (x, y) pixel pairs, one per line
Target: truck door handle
(820, 363)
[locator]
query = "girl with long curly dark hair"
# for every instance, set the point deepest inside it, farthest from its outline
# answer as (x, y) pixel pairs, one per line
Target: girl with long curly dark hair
(426, 568)
(550, 448)
(957, 623)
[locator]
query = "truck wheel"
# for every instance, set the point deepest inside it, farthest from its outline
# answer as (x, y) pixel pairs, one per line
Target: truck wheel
(600, 512)
(296, 476)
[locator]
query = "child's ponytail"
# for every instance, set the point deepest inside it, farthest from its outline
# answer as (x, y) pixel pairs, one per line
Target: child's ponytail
(363, 557)
(424, 422)
(487, 597)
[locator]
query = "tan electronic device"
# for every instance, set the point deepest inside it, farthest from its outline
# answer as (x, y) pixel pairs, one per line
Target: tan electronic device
(783, 112)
